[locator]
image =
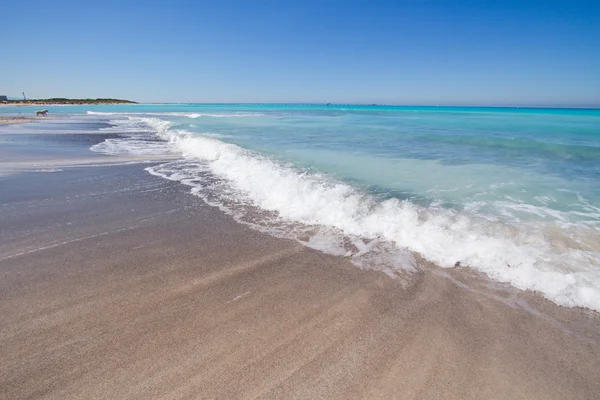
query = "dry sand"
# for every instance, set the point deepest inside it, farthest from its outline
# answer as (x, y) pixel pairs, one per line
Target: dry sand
(115, 284)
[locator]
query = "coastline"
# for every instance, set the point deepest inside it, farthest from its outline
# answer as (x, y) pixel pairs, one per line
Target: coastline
(64, 101)
(117, 283)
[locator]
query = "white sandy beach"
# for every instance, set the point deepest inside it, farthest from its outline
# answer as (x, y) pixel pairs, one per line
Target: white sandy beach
(118, 284)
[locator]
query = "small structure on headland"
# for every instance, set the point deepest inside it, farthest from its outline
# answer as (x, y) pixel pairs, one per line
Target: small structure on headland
(3, 98)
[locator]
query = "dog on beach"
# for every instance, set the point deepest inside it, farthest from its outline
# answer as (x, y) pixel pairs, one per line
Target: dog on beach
(41, 112)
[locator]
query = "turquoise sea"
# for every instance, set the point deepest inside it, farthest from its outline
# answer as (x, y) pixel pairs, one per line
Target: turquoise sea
(511, 192)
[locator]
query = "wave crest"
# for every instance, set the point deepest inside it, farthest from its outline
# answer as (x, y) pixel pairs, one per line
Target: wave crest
(336, 217)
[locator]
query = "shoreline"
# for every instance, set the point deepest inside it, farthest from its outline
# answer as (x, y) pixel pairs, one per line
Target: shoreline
(118, 283)
(113, 146)
(22, 151)
(12, 120)
(160, 295)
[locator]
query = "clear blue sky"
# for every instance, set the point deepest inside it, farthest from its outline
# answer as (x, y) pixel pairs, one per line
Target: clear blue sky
(393, 52)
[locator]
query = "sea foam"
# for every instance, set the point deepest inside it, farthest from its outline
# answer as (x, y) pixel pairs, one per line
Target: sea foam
(336, 217)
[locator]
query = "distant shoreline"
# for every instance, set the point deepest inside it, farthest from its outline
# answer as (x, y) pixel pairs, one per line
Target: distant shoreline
(61, 101)
(64, 101)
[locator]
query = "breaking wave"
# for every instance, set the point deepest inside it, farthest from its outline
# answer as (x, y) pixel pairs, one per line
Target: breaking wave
(384, 234)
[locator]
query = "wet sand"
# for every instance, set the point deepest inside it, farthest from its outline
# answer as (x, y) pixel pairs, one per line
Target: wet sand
(22, 151)
(118, 284)
(10, 120)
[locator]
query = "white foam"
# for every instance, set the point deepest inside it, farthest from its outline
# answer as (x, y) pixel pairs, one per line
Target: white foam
(132, 147)
(48, 170)
(135, 139)
(528, 258)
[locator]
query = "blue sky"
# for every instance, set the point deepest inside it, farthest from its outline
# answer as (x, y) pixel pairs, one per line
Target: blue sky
(393, 52)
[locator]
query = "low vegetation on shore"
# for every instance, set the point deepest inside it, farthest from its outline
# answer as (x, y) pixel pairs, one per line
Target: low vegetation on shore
(60, 100)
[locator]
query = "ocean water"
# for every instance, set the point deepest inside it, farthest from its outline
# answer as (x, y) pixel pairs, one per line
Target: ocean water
(511, 192)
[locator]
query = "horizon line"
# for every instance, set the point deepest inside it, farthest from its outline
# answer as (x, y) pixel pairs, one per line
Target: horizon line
(553, 106)
(536, 106)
